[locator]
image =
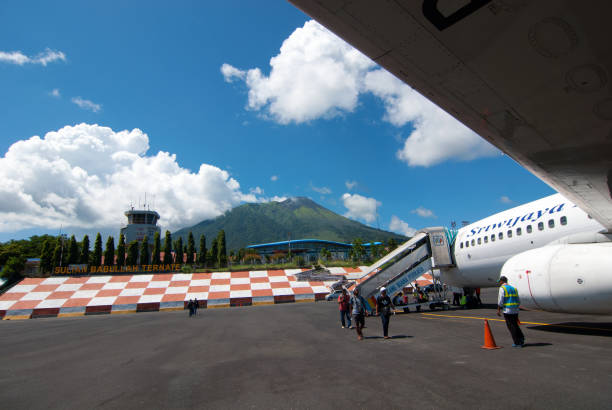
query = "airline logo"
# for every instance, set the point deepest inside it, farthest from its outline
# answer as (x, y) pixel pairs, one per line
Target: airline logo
(529, 217)
(437, 240)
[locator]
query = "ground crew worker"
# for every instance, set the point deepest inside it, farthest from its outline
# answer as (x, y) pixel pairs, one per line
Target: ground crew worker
(383, 308)
(509, 301)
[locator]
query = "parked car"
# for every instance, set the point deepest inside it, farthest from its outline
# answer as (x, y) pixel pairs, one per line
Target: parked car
(334, 295)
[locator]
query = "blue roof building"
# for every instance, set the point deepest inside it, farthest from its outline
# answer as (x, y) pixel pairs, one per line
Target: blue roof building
(309, 249)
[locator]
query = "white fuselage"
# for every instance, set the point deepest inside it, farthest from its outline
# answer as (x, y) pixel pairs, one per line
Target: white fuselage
(482, 248)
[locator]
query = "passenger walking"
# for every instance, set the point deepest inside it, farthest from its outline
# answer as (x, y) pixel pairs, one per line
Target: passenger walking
(383, 308)
(343, 303)
(196, 305)
(358, 308)
(190, 307)
(509, 301)
(478, 300)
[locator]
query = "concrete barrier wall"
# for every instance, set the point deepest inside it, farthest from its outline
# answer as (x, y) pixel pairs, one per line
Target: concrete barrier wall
(64, 296)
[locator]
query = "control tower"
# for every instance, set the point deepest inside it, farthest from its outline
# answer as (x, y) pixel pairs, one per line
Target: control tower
(140, 223)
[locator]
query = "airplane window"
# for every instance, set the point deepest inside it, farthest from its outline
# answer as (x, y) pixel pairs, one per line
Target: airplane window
(493, 238)
(510, 233)
(540, 226)
(461, 245)
(529, 229)
(467, 244)
(551, 223)
(486, 239)
(501, 236)
(473, 242)
(519, 231)
(479, 241)
(564, 220)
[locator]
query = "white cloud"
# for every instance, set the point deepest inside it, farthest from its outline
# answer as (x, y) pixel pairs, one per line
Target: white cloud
(274, 178)
(55, 93)
(86, 104)
(505, 200)
(350, 184)
(436, 136)
(322, 190)
(85, 176)
(423, 212)
(317, 75)
(231, 73)
(361, 207)
(256, 191)
(44, 58)
(399, 226)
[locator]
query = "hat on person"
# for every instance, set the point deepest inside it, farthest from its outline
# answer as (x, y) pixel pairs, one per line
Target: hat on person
(502, 279)
(383, 289)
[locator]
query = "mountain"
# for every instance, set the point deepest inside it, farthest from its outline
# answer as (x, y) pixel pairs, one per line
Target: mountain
(295, 218)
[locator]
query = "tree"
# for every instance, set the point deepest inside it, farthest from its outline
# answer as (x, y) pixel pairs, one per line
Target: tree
(213, 254)
(375, 251)
(168, 248)
(144, 251)
(121, 251)
(241, 253)
(96, 256)
(46, 257)
(85, 250)
(190, 248)
(358, 250)
(109, 252)
(202, 255)
(252, 255)
(13, 268)
(391, 245)
(132, 253)
(323, 254)
(156, 249)
(178, 251)
(57, 253)
(73, 252)
(222, 250)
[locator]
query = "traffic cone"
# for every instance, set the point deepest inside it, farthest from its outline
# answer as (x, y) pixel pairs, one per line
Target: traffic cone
(489, 340)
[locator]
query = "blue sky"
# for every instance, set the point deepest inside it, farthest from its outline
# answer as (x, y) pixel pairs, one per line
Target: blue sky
(197, 104)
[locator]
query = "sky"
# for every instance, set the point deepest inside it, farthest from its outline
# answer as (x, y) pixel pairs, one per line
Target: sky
(204, 106)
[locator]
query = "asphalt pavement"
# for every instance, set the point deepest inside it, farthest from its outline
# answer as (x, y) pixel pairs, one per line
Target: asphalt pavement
(297, 356)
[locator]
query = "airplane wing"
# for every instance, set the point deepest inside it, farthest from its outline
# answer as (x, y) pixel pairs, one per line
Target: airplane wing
(533, 78)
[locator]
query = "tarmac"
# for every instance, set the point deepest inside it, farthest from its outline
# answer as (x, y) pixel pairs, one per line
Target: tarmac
(296, 356)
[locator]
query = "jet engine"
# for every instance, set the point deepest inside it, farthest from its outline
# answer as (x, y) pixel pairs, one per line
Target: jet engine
(571, 278)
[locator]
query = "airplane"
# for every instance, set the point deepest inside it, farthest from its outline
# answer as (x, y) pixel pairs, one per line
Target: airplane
(533, 79)
(553, 252)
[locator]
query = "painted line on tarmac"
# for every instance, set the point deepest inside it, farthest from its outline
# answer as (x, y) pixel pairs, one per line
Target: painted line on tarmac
(522, 323)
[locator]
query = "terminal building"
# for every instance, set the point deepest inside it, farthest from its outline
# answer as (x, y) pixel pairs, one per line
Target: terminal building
(140, 223)
(309, 249)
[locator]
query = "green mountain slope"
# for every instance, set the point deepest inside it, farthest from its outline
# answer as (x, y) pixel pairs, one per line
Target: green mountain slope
(295, 218)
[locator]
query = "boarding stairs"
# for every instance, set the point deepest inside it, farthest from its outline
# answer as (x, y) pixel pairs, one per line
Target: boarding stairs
(429, 249)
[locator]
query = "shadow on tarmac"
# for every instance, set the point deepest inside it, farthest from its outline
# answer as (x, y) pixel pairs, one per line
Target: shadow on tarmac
(578, 328)
(392, 337)
(537, 344)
